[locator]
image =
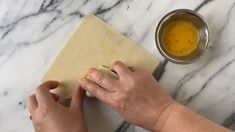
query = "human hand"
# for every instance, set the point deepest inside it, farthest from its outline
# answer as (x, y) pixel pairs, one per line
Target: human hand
(136, 95)
(50, 116)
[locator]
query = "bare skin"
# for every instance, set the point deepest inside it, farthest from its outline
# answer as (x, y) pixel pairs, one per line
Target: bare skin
(141, 101)
(135, 95)
(50, 116)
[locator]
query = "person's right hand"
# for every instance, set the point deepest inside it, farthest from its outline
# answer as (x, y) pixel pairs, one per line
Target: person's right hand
(136, 95)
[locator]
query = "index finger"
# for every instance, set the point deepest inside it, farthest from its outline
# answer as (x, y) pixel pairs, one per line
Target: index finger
(102, 79)
(94, 89)
(42, 92)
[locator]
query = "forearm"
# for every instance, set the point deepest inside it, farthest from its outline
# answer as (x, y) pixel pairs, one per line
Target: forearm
(179, 118)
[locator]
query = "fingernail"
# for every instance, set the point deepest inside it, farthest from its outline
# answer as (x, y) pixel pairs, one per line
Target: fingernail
(89, 77)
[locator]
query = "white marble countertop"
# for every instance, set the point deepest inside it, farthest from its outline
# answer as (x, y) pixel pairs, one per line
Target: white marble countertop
(33, 31)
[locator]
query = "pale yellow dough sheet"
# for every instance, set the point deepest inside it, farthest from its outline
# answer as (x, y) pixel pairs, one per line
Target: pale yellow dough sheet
(95, 43)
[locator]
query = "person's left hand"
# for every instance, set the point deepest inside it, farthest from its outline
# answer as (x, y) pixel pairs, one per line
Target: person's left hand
(50, 116)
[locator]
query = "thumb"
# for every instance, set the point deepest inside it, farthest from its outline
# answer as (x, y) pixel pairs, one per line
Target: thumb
(77, 99)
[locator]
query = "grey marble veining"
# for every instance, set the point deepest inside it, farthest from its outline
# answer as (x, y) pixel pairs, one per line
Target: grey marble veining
(33, 31)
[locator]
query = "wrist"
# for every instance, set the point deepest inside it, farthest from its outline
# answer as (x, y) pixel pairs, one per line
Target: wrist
(165, 114)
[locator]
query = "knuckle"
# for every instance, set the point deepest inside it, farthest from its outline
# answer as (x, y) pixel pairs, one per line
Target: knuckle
(94, 90)
(44, 111)
(120, 98)
(121, 106)
(117, 102)
(85, 84)
(114, 103)
(118, 105)
(46, 108)
(101, 79)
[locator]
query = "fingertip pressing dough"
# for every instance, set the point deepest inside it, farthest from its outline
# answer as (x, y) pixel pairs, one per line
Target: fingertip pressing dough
(94, 43)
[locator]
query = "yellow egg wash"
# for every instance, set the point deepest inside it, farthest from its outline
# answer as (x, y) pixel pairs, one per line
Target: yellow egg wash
(180, 38)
